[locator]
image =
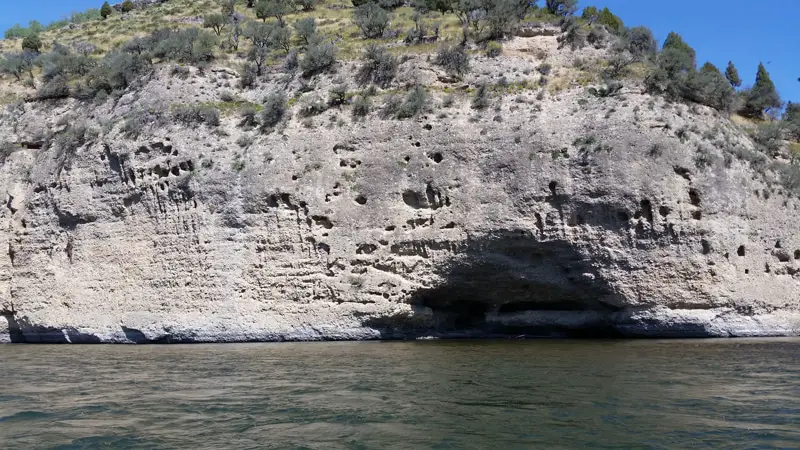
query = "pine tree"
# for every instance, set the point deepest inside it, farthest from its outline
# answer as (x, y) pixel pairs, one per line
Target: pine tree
(733, 75)
(762, 96)
(105, 10)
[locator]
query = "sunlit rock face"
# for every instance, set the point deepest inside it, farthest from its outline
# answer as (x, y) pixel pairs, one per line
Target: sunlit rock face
(555, 216)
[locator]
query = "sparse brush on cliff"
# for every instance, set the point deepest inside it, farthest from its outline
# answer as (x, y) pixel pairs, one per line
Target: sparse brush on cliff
(274, 110)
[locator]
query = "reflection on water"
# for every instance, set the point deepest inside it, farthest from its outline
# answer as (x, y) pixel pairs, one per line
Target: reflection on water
(468, 394)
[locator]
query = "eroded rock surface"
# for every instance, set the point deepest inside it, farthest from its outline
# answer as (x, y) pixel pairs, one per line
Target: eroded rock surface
(537, 218)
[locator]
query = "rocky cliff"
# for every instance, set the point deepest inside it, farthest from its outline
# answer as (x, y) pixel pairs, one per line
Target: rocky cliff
(563, 214)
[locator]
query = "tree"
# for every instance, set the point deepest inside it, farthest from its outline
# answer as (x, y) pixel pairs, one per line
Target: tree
(306, 29)
(319, 57)
(561, 7)
(274, 8)
(733, 75)
(371, 19)
(441, 6)
(503, 15)
(216, 22)
(791, 118)
(762, 96)
(709, 87)
(307, 5)
(127, 6)
(590, 14)
(607, 18)
(106, 10)
(265, 37)
(228, 7)
(17, 64)
(32, 43)
(454, 59)
(675, 65)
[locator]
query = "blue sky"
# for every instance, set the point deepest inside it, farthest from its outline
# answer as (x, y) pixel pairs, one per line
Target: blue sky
(720, 30)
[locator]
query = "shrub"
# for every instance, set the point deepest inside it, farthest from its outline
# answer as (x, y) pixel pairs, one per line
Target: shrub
(216, 22)
(307, 5)
(312, 107)
(247, 76)
(337, 95)
(248, 117)
(371, 19)
(768, 137)
(318, 58)
(791, 120)
(17, 64)
(56, 88)
(196, 114)
(306, 29)
(191, 45)
(480, 100)
(290, 63)
(274, 110)
(117, 71)
(454, 59)
(361, 106)
(32, 43)
(675, 67)
(494, 49)
(502, 16)
(414, 103)
(127, 6)
(573, 34)
(379, 66)
(709, 87)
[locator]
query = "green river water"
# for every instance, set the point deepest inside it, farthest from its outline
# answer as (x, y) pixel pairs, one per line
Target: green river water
(547, 394)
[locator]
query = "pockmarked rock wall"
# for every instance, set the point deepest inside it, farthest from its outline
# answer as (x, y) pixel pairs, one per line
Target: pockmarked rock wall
(569, 215)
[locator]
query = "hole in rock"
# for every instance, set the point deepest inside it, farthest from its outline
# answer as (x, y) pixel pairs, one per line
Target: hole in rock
(366, 249)
(694, 197)
(437, 157)
(647, 209)
(428, 127)
(175, 171)
(740, 251)
(361, 200)
(664, 211)
(778, 244)
(553, 187)
(697, 215)
(391, 228)
(797, 254)
(706, 246)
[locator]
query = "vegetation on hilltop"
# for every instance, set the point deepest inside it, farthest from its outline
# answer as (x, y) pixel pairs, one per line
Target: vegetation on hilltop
(102, 52)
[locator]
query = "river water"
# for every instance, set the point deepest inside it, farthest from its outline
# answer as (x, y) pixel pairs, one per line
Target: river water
(546, 394)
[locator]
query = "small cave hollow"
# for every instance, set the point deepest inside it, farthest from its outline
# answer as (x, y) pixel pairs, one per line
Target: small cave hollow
(366, 249)
(437, 157)
(797, 254)
(664, 210)
(647, 209)
(694, 197)
(706, 246)
(740, 251)
(361, 200)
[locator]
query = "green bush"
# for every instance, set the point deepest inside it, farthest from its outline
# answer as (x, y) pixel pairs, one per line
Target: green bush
(414, 103)
(216, 22)
(274, 8)
(17, 64)
(379, 66)
(190, 45)
(361, 106)
(127, 6)
(480, 100)
(337, 95)
(106, 10)
(494, 49)
(709, 87)
(56, 88)
(196, 114)
(274, 110)
(732, 75)
(318, 58)
(32, 43)
(454, 59)
(306, 29)
(371, 19)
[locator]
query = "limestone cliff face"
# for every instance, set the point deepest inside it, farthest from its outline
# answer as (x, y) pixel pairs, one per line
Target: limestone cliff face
(571, 214)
